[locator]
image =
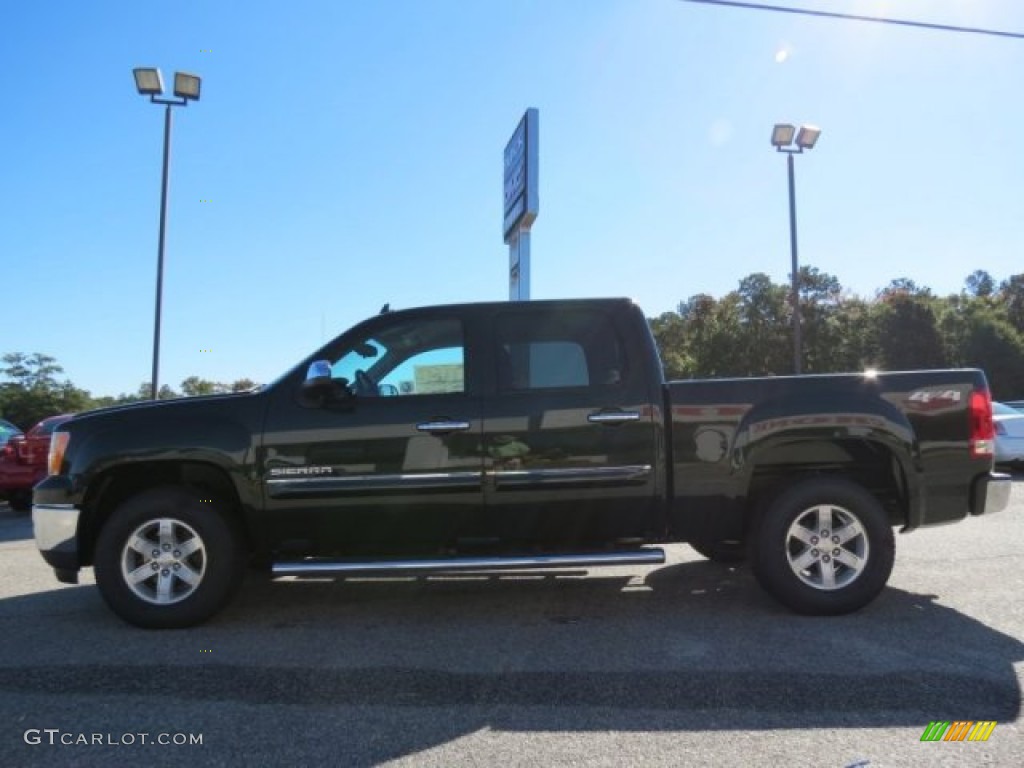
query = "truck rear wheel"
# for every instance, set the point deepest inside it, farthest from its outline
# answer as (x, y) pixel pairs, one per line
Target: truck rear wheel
(824, 547)
(168, 558)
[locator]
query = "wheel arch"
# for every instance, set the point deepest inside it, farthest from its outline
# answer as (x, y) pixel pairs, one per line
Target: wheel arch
(119, 483)
(871, 464)
(862, 437)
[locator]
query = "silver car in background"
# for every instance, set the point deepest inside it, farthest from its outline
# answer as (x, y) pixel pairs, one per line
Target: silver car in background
(1009, 423)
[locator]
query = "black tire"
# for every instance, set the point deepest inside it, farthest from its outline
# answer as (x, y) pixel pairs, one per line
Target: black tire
(727, 552)
(784, 542)
(199, 563)
(20, 501)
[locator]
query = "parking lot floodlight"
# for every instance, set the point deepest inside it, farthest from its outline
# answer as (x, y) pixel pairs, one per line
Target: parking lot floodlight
(782, 140)
(148, 81)
(782, 135)
(808, 136)
(186, 86)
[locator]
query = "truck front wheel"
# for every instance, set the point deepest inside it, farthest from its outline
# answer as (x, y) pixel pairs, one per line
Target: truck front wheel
(824, 547)
(168, 558)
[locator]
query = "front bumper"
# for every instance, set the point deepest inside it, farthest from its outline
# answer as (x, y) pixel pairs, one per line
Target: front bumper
(991, 493)
(56, 534)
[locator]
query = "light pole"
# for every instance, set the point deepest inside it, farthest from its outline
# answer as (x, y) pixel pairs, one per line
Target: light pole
(149, 82)
(782, 140)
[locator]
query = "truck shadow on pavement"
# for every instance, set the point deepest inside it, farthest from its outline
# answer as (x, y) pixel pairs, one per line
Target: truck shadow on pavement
(415, 663)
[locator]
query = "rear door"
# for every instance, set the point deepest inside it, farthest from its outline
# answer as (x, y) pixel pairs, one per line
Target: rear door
(569, 434)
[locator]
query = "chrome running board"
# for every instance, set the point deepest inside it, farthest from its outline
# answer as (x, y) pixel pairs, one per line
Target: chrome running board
(314, 566)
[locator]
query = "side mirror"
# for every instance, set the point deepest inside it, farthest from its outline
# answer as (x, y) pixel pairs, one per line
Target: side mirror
(319, 388)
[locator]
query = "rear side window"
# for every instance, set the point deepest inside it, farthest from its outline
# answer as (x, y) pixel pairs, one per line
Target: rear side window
(576, 348)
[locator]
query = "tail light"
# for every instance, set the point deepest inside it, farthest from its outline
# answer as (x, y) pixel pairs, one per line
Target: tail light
(18, 448)
(983, 433)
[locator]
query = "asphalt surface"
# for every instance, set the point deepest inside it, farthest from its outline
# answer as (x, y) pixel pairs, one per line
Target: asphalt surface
(683, 664)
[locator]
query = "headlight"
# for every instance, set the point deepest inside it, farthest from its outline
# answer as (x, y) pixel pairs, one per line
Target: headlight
(58, 445)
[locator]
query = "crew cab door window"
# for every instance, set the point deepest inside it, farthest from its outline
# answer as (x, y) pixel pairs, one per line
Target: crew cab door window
(572, 349)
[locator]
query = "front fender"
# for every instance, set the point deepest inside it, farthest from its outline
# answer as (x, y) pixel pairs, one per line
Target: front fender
(201, 438)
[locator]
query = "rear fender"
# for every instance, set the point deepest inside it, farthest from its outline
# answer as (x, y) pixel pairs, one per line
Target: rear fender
(809, 434)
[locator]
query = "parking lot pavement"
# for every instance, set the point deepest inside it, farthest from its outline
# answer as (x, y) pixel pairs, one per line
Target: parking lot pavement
(688, 663)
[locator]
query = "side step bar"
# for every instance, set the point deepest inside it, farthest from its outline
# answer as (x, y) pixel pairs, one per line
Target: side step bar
(315, 566)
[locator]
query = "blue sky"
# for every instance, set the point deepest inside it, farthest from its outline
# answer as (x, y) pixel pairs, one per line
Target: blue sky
(346, 154)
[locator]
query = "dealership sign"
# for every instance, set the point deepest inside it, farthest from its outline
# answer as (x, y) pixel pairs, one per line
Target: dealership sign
(521, 176)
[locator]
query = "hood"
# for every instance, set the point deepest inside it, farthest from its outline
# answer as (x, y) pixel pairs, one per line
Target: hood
(162, 405)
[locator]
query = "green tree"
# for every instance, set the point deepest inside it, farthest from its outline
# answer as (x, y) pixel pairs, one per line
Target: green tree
(1011, 296)
(105, 401)
(856, 347)
(988, 341)
(906, 287)
(33, 393)
(669, 330)
(905, 327)
(980, 283)
(34, 371)
(194, 385)
(765, 319)
(714, 335)
(144, 393)
(700, 349)
(820, 306)
(907, 334)
(953, 314)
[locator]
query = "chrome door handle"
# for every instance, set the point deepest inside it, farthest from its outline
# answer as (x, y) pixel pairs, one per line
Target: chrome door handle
(613, 417)
(443, 426)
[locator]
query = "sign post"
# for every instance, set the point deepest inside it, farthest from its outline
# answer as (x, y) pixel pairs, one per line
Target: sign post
(521, 204)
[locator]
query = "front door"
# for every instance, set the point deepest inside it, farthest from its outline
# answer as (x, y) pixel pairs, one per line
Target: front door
(396, 465)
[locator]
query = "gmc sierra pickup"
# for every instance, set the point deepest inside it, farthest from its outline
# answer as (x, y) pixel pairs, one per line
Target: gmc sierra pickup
(512, 435)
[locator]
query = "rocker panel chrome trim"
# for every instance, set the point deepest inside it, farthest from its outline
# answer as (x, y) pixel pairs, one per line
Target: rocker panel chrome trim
(652, 556)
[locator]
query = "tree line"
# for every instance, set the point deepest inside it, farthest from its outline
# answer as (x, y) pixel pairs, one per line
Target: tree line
(31, 391)
(904, 326)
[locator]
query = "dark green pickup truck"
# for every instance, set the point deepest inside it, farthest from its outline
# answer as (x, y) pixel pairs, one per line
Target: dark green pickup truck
(512, 435)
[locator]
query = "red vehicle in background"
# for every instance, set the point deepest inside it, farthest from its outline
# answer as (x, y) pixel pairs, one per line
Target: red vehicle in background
(23, 462)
